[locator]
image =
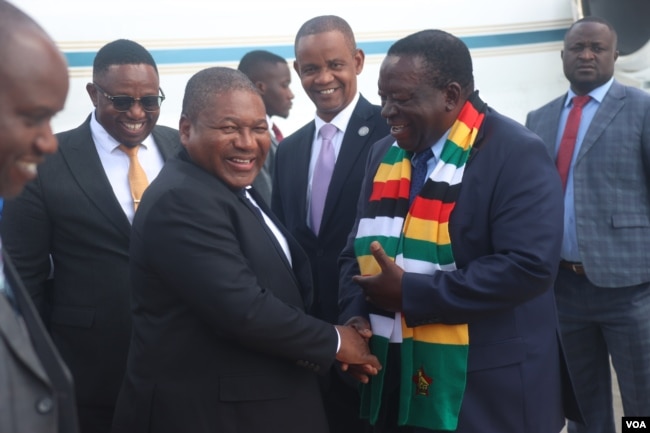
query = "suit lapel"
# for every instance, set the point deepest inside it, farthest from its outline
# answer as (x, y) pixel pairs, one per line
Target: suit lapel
(260, 202)
(166, 147)
(298, 257)
(302, 158)
(15, 329)
(86, 167)
(609, 108)
(356, 137)
(548, 133)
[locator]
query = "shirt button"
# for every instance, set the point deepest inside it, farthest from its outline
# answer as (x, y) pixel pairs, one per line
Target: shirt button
(44, 405)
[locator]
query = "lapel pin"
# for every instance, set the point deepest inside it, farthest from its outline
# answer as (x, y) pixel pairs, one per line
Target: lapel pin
(363, 131)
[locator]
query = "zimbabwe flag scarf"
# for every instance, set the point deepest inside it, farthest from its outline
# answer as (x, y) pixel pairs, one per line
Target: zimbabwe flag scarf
(434, 357)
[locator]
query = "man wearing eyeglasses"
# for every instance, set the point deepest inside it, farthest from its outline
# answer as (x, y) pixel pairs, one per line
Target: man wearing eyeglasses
(69, 231)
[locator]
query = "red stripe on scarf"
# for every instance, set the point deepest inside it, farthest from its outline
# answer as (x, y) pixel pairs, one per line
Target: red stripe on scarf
(471, 115)
(424, 208)
(391, 188)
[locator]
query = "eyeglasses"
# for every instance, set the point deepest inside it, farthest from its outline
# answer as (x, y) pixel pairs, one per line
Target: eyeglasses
(123, 103)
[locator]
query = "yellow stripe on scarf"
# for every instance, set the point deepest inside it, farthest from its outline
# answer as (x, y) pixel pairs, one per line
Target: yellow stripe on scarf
(437, 333)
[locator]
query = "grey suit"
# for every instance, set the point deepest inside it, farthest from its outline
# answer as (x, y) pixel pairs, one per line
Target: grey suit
(614, 161)
(36, 393)
(70, 213)
(605, 311)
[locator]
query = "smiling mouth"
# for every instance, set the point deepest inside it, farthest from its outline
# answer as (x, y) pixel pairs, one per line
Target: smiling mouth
(28, 167)
(241, 161)
(396, 129)
(131, 126)
(326, 91)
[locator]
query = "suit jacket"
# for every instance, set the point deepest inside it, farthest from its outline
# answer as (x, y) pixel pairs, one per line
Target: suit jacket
(291, 180)
(263, 183)
(506, 233)
(611, 179)
(70, 215)
(220, 338)
(36, 391)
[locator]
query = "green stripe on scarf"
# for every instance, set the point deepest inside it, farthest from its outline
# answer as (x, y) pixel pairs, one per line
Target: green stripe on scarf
(433, 357)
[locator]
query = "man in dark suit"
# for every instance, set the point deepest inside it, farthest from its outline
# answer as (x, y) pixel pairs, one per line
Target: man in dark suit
(327, 62)
(603, 285)
(458, 238)
(221, 341)
(69, 230)
(36, 391)
(271, 75)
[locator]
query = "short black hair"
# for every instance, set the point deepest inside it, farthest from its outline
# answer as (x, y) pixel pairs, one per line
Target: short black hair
(208, 82)
(446, 57)
(121, 52)
(327, 23)
(253, 63)
(594, 19)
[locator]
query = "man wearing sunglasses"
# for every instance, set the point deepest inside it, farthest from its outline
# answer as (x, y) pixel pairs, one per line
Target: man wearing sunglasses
(69, 231)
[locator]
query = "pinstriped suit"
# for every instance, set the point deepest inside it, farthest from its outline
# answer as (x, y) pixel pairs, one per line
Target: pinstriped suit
(612, 206)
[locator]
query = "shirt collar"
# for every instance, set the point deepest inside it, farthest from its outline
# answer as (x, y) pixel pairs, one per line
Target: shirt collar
(105, 141)
(597, 94)
(342, 119)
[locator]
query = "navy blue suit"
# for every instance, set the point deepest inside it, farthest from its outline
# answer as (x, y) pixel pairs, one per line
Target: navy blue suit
(506, 232)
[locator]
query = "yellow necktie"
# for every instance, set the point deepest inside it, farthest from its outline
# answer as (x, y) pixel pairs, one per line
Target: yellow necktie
(137, 177)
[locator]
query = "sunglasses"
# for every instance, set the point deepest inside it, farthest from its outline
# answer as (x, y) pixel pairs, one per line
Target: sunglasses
(124, 103)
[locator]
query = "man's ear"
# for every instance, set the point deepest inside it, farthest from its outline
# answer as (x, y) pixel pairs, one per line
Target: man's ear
(184, 126)
(261, 86)
(92, 92)
(453, 93)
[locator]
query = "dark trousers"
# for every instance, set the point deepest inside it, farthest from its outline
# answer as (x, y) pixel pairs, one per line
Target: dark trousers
(598, 323)
(341, 401)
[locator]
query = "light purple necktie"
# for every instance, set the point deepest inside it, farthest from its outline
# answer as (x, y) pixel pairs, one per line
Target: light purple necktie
(322, 175)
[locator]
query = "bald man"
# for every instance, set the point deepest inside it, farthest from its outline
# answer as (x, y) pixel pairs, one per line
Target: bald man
(36, 392)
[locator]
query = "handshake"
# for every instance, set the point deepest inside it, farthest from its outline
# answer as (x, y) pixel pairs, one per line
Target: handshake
(354, 353)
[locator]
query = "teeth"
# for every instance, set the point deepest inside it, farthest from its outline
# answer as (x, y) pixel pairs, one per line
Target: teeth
(241, 161)
(133, 126)
(397, 128)
(327, 92)
(29, 167)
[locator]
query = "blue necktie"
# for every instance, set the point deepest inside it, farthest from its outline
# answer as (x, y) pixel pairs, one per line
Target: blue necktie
(419, 172)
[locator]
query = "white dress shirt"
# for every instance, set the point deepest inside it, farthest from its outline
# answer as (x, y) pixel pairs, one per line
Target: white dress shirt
(116, 163)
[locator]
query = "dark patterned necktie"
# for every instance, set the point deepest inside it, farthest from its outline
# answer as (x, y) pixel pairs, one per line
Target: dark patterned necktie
(419, 171)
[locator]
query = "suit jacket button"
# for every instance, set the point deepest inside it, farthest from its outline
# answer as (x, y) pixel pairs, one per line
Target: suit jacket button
(45, 405)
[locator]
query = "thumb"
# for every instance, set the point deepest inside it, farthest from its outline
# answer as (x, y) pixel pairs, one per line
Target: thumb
(380, 255)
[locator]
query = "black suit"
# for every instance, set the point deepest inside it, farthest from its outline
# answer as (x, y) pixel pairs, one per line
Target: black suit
(220, 342)
(290, 197)
(290, 184)
(71, 214)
